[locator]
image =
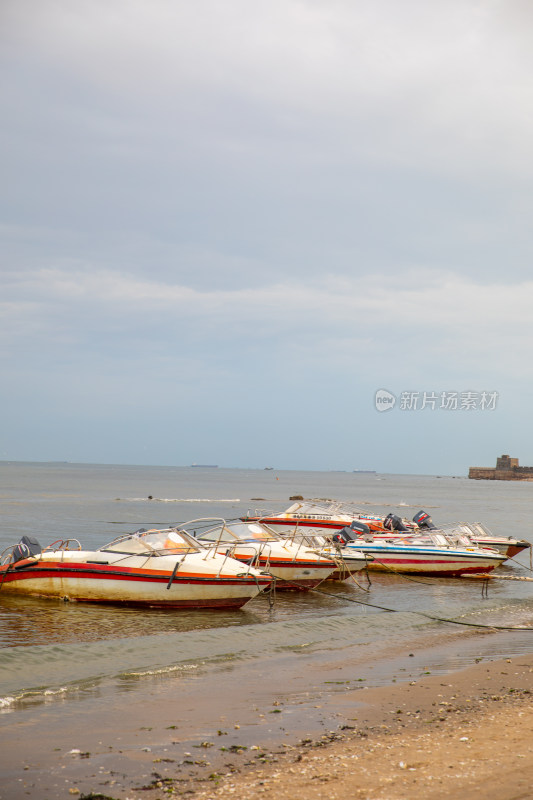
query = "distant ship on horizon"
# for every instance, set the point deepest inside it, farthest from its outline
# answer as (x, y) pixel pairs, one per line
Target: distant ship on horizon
(211, 466)
(366, 471)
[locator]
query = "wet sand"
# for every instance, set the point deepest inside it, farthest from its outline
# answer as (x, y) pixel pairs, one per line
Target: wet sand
(262, 734)
(436, 738)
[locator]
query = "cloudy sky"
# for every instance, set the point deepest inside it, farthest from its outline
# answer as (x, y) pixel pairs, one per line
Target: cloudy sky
(225, 226)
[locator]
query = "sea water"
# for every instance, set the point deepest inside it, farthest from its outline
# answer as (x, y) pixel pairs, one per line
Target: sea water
(50, 649)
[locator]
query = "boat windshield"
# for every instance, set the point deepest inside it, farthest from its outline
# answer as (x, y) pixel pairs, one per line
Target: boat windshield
(308, 510)
(241, 531)
(450, 538)
(460, 534)
(308, 539)
(156, 542)
(475, 529)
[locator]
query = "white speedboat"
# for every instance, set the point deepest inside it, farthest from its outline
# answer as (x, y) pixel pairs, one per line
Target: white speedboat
(293, 564)
(434, 553)
(508, 546)
(162, 568)
(307, 517)
(476, 532)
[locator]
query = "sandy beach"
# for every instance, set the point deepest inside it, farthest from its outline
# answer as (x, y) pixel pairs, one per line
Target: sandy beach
(438, 736)
(435, 738)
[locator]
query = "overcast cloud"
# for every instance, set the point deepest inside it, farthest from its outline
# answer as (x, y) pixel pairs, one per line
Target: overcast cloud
(225, 226)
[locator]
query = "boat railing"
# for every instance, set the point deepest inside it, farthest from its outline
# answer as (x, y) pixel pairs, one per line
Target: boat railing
(300, 544)
(326, 509)
(260, 553)
(317, 544)
(303, 539)
(6, 556)
(257, 514)
(463, 534)
(63, 544)
(455, 536)
(204, 525)
(479, 529)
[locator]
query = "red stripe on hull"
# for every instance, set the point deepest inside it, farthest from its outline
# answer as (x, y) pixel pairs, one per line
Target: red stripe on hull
(383, 565)
(122, 574)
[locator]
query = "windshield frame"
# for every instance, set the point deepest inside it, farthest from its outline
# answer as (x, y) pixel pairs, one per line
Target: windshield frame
(154, 542)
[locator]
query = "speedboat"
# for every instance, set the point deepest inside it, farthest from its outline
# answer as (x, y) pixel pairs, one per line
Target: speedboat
(308, 517)
(321, 519)
(476, 532)
(293, 564)
(509, 546)
(164, 568)
(433, 553)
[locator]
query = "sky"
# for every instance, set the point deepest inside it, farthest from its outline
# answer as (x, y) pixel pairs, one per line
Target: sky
(226, 226)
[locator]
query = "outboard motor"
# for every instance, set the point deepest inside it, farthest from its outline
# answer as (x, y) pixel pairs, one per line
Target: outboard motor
(351, 532)
(423, 520)
(342, 536)
(27, 547)
(359, 528)
(394, 523)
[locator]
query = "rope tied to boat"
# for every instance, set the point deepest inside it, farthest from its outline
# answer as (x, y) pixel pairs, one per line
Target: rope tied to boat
(424, 614)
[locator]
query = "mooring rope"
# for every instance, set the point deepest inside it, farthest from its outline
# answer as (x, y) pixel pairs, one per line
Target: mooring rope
(424, 614)
(432, 617)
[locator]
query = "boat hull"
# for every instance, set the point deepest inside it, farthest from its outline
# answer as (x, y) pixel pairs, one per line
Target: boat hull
(427, 561)
(315, 527)
(132, 586)
(507, 547)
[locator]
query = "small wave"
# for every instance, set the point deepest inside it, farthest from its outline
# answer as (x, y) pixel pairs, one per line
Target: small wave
(155, 671)
(177, 500)
(54, 692)
(10, 702)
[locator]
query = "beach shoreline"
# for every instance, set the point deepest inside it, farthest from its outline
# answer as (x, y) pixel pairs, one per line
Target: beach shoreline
(438, 734)
(436, 737)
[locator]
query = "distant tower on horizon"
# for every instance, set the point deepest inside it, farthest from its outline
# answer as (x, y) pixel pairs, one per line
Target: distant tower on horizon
(507, 469)
(504, 462)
